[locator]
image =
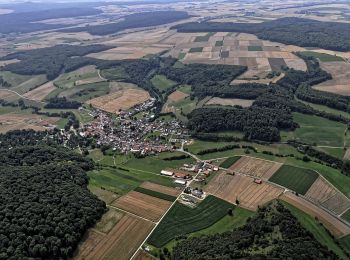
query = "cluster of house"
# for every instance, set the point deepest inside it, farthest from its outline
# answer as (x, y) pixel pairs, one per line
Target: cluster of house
(138, 134)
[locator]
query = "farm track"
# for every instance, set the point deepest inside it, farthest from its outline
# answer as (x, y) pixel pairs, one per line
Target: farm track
(21, 96)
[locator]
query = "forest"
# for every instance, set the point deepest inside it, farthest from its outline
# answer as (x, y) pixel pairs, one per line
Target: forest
(29, 21)
(45, 206)
(52, 61)
(131, 21)
(290, 30)
(273, 233)
(62, 102)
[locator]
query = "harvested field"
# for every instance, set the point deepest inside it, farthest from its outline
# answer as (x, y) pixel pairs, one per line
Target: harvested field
(120, 100)
(321, 192)
(88, 81)
(176, 96)
(120, 243)
(230, 102)
(341, 77)
(249, 194)
(277, 63)
(334, 225)
(142, 255)
(160, 188)
(255, 167)
(13, 121)
(41, 92)
(143, 205)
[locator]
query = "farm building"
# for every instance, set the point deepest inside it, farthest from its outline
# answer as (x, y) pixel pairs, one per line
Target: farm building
(180, 182)
(166, 173)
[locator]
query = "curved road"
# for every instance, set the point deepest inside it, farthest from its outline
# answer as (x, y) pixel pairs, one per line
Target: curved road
(21, 96)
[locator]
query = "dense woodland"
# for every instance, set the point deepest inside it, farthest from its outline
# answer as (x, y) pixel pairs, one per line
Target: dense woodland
(290, 30)
(63, 103)
(29, 21)
(45, 206)
(52, 61)
(131, 21)
(273, 233)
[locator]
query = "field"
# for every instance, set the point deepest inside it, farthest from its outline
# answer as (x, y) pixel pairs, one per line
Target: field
(313, 225)
(229, 162)
(14, 121)
(255, 167)
(162, 83)
(321, 192)
(103, 194)
(323, 57)
(120, 100)
(120, 242)
(155, 194)
(316, 130)
(181, 220)
(142, 255)
(176, 96)
(249, 194)
(341, 75)
(294, 178)
(142, 205)
(41, 92)
(335, 226)
(230, 102)
(160, 188)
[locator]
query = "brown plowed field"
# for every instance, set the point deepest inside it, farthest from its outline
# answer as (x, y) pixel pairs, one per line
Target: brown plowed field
(120, 243)
(323, 193)
(160, 188)
(177, 95)
(41, 92)
(334, 225)
(143, 205)
(255, 167)
(142, 255)
(249, 194)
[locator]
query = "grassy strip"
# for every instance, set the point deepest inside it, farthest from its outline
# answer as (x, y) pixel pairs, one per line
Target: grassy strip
(346, 216)
(182, 220)
(156, 194)
(318, 230)
(294, 178)
(322, 56)
(229, 162)
(345, 243)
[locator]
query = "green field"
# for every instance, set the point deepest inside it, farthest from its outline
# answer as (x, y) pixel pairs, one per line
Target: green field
(324, 57)
(294, 178)
(181, 220)
(255, 48)
(116, 73)
(86, 92)
(204, 38)
(313, 226)
(229, 162)
(156, 194)
(345, 243)
(181, 56)
(219, 43)
(318, 130)
(346, 216)
(336, 152)
(196, 49)
(67, 80)
(162, 83)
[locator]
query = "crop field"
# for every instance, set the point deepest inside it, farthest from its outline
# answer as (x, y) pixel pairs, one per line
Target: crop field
(177, 96)
(334, 225)
(339, 84)
(323, 57)
(294, 178)
(120, 242)
(316, 130)
(142, 205)
(155, 194)
(142, 255)
(323, 193)
(103, 194)
(41, 92)
(160, 188)
(255, 167)
(236, 187)
(120, 100)
(162, 83)
(229, 162)
(346, 215)
(14, 121)
(181, 220)
(230, 102)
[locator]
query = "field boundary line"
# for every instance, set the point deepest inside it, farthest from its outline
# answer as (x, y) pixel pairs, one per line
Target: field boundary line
(133, 214)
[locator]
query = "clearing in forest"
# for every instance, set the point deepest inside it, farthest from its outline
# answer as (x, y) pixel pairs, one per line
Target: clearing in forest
(230, 102)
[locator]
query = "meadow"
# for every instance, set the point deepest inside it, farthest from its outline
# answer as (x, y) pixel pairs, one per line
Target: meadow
(181, 220)
(294, 178)
(229, 162)
(324, 57)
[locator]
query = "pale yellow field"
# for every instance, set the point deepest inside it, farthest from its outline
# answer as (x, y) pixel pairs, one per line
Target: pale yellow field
(41, 92)
(230, 102)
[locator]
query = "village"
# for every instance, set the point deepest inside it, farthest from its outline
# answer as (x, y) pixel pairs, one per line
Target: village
(135, 130)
